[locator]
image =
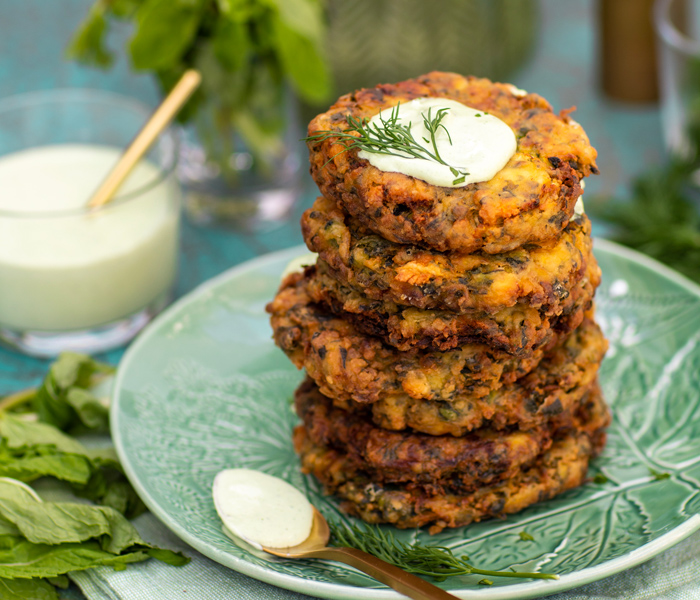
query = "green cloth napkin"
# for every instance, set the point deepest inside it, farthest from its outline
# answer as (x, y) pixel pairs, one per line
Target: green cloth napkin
(673, 575)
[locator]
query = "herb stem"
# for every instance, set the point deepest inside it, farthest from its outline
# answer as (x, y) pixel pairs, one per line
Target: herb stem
(520, 574)
(391, 138)
(432, 561)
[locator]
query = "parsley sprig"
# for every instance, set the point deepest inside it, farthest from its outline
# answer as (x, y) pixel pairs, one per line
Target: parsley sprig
(437, 562)
(392, 138)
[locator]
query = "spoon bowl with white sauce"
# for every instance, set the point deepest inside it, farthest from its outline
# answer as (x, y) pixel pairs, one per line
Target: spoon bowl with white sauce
(274, 516)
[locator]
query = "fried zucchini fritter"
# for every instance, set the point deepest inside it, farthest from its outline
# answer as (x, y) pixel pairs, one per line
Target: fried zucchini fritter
(560, 468)
(536, 276)
(351, 366)
(516, 329)
(436, 464)
(529, 201)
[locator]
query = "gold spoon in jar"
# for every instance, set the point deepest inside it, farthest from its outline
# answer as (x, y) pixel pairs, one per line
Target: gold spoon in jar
(159, 120)
(315, 546)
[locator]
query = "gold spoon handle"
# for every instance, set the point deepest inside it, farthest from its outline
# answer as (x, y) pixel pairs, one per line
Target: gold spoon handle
(159, 120)
(406, 583)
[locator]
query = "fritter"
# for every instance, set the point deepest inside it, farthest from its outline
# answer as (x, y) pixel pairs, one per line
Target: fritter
(533, 275)
(529, 201)
(552, 390)
(436, 464)
(560, 468)
(516, 329)
(349, 365)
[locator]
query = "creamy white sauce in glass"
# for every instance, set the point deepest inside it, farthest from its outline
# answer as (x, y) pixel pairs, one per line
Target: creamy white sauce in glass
(261, 509)
(64, 268)
(478, 143)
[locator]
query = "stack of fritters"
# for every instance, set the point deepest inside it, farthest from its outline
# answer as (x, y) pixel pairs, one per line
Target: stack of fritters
(447, 333)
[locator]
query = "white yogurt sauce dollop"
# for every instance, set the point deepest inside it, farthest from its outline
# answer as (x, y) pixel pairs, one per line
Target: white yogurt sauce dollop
(261, 509)
(481, 144)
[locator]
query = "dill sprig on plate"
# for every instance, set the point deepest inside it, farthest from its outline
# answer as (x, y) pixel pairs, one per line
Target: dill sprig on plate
(433, 561)
(391, 138)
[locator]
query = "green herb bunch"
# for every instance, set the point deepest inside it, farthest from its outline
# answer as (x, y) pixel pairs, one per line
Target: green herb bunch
(432, 561)
(392, 138)
(42, 541)
(246, 50)
(662, 216)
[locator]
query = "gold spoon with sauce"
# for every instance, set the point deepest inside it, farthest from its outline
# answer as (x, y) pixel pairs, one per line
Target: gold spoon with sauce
(316, 546)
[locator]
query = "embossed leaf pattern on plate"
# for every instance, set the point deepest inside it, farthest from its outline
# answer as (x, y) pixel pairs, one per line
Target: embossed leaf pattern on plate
(221, 400)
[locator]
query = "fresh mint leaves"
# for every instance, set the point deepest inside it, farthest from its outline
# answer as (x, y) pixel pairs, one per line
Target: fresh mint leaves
(49, 539)
(65, 400)
(29, 450)
(248, 52)
(42, 541)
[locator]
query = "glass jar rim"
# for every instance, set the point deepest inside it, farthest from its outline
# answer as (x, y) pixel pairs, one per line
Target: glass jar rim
(669, 33)
(106, 98)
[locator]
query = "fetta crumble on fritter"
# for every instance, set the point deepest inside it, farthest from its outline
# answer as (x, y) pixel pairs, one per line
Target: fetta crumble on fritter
(530, 200)
(533, 275)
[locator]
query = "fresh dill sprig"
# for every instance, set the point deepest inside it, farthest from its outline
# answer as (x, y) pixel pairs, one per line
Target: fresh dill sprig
(433, 561)
(391, 138)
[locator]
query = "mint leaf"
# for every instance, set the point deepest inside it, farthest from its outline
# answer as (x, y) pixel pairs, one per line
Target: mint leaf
(302, 60)
(231, 44)
(21, 589)
(64, 399)
(19, 433)
(165, 30)
(302, 16)
(88, 44)
(29, 450)
(20, 558)
(66, 467)
(58, 537)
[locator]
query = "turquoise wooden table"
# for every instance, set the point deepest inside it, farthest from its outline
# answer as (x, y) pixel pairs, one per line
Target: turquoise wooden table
(563, 69)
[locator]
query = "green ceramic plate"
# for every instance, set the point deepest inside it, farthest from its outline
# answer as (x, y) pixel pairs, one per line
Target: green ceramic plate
(204, 388)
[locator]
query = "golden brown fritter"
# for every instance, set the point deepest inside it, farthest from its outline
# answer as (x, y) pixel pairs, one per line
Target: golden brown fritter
(560, 468)
(349, 365)
(554, 389)
(536, 276)
(517, 329)
(434, 463)
(529, 201)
